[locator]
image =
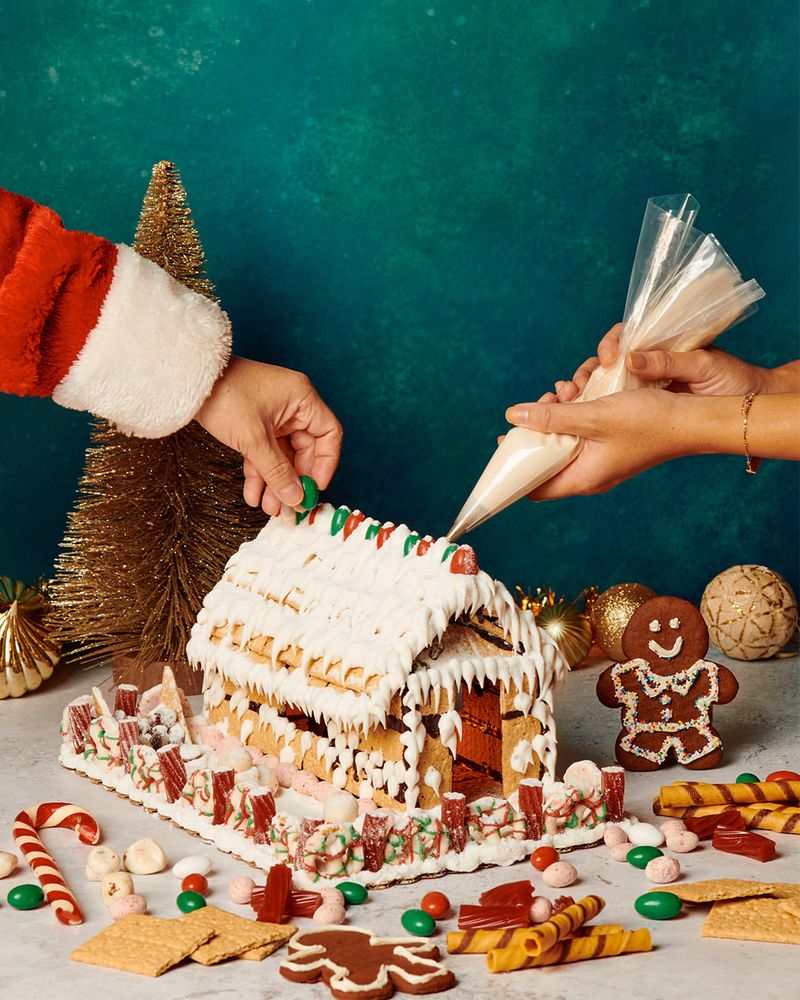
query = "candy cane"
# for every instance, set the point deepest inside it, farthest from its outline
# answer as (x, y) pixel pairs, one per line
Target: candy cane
(39, 817)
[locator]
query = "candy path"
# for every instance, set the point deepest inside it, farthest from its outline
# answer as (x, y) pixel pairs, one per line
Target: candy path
(759, 730)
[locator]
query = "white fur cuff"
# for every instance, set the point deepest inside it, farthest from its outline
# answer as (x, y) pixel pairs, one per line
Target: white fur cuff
(154, 355)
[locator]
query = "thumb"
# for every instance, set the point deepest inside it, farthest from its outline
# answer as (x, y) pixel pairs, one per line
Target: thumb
(554, 418)
(275, 468)
(677, 366)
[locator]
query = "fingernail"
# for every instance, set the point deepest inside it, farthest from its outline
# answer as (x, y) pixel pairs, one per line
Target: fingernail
(291, 495)
(517, 414)
(559, 386)
(637, 361)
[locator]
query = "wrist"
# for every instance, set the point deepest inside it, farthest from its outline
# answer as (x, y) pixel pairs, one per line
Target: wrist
(708, 425)
(785, 378)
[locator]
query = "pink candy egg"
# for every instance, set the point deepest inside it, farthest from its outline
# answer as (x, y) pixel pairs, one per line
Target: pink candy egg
(366, 806)
(240, 889)
(614, 835)
(304, 782)
(663, 870)
(329, 913)
(541, 909)
(285, 773)
(324, 790)
(332, 897)
(682, 841)
(619, 852)
(671, 826)
(560, 875)
(123, 906)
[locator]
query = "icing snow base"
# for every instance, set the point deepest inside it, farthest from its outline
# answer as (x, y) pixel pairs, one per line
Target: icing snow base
(475, 855)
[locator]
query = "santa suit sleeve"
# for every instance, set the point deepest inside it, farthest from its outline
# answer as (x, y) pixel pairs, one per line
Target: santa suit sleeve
(99, 328)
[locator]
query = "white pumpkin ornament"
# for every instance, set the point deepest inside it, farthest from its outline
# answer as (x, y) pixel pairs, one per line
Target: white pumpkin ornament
(28, 651)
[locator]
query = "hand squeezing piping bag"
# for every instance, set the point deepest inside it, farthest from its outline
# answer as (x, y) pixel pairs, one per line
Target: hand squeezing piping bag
(684, 291)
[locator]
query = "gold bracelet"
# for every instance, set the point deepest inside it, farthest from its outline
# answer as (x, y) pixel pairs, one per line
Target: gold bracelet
(747, 402)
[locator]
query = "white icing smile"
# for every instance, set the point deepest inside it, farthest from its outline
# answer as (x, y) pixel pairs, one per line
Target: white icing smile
(667, 654)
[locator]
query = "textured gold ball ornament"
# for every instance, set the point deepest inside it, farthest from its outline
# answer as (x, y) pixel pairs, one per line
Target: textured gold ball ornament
(569, 628)
(611, 613)
(751, 612)
(28, 652)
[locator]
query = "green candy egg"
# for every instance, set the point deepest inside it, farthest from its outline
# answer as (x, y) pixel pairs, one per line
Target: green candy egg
(188, 901)
(340, 515)
(310, 493)
(372, 531)
(746, 778)
(25, 897)
(639, 856)
(353, 892)
(418, 922)
(410, 542)
(658, 905)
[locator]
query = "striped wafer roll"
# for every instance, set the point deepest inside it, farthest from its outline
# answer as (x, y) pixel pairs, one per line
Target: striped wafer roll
(42, 816)
(577, 949)
(595, 930)
(479, 942)
(689, 793)
(544, 936)
(773, 816)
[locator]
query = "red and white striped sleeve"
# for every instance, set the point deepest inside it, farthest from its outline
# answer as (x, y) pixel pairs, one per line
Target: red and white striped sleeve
(99, 328)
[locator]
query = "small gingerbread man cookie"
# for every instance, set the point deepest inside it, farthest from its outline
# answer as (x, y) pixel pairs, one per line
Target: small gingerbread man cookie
(666, 689)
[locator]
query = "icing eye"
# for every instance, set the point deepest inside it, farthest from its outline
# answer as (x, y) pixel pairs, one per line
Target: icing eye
(674, 623)
(655, 625)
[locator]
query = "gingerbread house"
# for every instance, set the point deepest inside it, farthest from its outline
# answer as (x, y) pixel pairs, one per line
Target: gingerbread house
(383, 662)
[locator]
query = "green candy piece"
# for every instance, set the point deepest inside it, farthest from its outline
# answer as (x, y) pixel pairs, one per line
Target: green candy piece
(418, 922)
(188, 901)
(25, 897)
(658, 905)
(746, 778)
(639, 856)
(300, 516)
(340, 515)
(372, 532)
(353, 892)
(310, 493)
(449, 551)
(410, 542)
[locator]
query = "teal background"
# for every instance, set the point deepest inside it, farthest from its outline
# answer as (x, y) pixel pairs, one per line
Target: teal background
(432, 208)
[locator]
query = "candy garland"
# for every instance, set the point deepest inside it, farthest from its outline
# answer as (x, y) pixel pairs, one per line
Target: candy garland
(46, 815)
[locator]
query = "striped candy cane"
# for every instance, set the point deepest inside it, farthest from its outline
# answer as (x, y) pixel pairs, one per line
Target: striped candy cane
(39, 817)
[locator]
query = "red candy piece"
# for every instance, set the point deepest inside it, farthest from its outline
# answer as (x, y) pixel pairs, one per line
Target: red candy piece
(313, 513)
(126, 698)
(352, 523)
(79, 714)
(222, 783)
(298, 902)
(454, 809)
(383, 534)
(783, 776)
(275, 894)
(613, 790)
(307, 827)
(373, 837)
(423, 545)
(543, 857)
(492, 917)
(704, 826)
(530, 805)
(510, 893)
(562, 903)
(128, 735)
(173, 771)
(436, 903)
(263, 805)
(464, 561)
(195, 883)
(751, 845)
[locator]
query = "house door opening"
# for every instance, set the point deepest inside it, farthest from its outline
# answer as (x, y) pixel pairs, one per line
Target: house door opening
(478, 767)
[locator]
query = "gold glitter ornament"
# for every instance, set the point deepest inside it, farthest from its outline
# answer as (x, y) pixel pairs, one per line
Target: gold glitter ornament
(28, 651)
(751, 612)
(612, 611)
(566, 625)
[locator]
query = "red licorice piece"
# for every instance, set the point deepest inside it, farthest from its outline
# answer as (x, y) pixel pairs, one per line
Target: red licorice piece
(126, 698)
(704, 826)
(510, 893)
(492, 917)
(222, 782)
(79, 714)
(562, 903)
(307, 827)
(751, 845)
(128, 735)
(530, 805)
(352, 523)
(263, 806)
(299, 903)
(464, 561)
(373, 837)
(454, 811)
(173, 771)
(275, 895)
(383, 534)
(613, 790)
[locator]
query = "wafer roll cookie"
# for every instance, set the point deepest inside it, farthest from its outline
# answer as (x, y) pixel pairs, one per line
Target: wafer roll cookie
(772, 816)
(543, 937)
(577, 949)
(740, 793)
(479, 942)
(595, 930)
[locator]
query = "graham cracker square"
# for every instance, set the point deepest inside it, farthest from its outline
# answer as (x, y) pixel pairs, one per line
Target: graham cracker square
(230, 935)
(715, 889)
(762, 918)
(142, 944)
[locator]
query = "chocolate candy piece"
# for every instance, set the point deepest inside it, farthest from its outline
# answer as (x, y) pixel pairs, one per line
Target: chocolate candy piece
(373, 837)
(310, 493)
(25, 897)
(543, 857)
(418, 922)
(783, 776)
(436, 903)
(340, 516)
(454, 807)
(639, 856)
(746, 778)
(645, 835)
(188, 901)
(194, 864)
(493, 917)
(353, 892)
(560, 874)
(613, 789)
(530, 805)
(658, 905)
(751, 845)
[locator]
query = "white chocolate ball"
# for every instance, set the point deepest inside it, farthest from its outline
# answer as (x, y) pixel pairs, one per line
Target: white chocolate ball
(8, 862)
(100, 862)
(145, 857)
(238, 759)
(115, 885)
(342, 807)
(645, 835)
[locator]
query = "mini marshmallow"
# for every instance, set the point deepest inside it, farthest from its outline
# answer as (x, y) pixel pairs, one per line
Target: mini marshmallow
(240, 889)
(329, 913)
(114, 885)
(8, 862)
(645, 835)
(145, 857)
(237, 759)
(100, 862)
(682, 841)
(123, 906)
(614, 835)
(560, 874)
(619, 852)
(663, 870)
(267, 777)
(541, 910)
(340, 808)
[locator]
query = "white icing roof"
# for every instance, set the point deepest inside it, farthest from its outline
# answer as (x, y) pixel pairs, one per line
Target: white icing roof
(345, 603)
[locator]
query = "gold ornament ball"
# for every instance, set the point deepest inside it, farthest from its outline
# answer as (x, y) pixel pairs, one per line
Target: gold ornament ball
(569, 628)
(751, 612)
(611, 613)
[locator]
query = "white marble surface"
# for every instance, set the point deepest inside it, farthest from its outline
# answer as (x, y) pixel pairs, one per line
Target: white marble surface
(760, 731)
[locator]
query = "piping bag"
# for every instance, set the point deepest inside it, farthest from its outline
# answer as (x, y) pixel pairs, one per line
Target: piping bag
(684, 291)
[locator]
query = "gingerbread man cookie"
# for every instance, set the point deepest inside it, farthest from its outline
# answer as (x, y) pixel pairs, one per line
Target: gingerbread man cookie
(666, 689)
(355, 963)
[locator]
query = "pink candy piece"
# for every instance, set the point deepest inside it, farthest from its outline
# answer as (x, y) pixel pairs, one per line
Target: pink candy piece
(211, 737)
(619, 852)
(329, 913)
(240, 889)
(541, 909)
(671, 826)
(304, 782)
(123, 906)
(332, 897)
(682, 841)
(663, 870)
(560, 875)
(324, 790)
(271, 760)
(285, 774)
(614, 835)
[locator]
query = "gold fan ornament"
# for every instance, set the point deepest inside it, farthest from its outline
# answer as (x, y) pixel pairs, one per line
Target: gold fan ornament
(28, 651)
